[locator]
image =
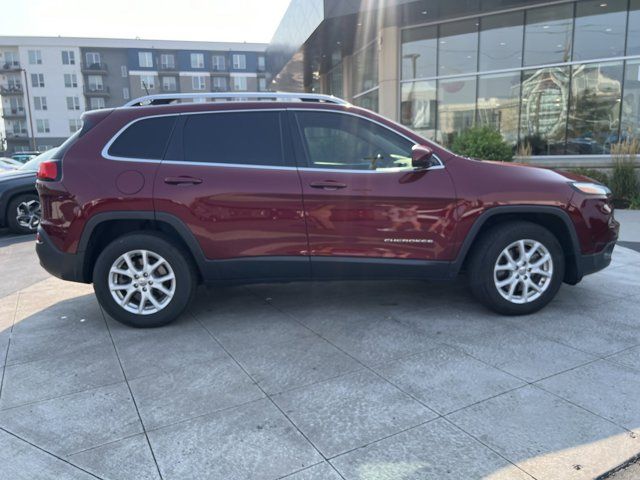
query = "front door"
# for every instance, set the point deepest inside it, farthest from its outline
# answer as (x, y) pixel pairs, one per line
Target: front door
(363, 199)
(230, 177)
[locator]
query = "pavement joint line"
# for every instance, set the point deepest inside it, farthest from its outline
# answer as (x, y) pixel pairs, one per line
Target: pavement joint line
(50, 453)
(261, 389)
(6, 353)
(438, 415)
(133, 399)
(288, 475)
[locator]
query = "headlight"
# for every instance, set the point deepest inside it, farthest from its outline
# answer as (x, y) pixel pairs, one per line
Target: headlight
(591, 188)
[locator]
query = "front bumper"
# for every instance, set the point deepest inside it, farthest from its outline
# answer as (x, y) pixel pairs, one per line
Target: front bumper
(598, 261)
(66, 266)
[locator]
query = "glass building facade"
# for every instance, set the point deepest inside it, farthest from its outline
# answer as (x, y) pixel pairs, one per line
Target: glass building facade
(563, 78)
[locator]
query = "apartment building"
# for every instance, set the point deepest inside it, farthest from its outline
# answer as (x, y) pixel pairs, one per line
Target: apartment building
(46, 83)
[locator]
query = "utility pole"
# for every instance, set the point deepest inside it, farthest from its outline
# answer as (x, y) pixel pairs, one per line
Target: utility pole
(32, 139)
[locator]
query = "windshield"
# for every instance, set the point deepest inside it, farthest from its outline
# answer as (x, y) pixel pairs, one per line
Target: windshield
(33, 164)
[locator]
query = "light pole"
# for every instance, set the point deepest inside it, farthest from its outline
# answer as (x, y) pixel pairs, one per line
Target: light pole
(32, 138)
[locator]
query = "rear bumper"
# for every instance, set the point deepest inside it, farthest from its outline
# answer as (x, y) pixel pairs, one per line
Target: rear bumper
(597, 261)
(66, 266)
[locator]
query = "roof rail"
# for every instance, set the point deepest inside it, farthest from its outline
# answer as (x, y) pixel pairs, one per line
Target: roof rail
(167, 98)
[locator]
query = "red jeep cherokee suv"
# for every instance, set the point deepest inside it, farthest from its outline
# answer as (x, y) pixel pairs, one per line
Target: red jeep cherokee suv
(150, 199)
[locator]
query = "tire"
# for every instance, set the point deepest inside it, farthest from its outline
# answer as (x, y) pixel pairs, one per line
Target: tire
(493, 288)
(23, 213)
(164, 260)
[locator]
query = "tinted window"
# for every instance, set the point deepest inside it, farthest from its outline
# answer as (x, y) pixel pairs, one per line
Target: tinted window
(548, 35)
(419, 52)
(335, 140)
(633, 35)
(501, 41)
(458, 47)
(145, 139)
(600, 29)
(245, 138)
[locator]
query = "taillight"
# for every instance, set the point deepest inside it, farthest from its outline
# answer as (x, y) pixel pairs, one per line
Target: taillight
(48, 171)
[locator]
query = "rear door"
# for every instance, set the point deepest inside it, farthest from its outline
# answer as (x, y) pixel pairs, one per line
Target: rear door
(363, 199)
(230, 177)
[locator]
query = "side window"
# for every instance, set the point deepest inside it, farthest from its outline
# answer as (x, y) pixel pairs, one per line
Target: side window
(341, 141)
(241, 138)
(145, 139)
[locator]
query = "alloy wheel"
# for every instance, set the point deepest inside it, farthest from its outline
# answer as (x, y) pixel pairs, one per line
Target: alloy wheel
(28, 214)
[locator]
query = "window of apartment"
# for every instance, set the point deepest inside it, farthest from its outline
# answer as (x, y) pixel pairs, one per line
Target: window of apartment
(16, 105)
(73, 103)
(547, 35)
(13, 82)
(19, 127)
(42, 125)
(262, 84)
(93, 59)
(261, 63)
(419, 52)
(240, 84)
(68, 57)
(239, 61)
(11, 59)
(125, 93)
(123, 71)
(199, 82)
(145, 59)
(501, 41)
(600, 29)
(169, 84)
(40, 103)
(339, 141)
(144, 139)
(197, 60)
(75, 124)
(219, 84)
(96, 103)
(167, 61)
(147, 82)
(37, 80)
(218, 62)
(35, 57)
(70, 80)
(215, 138)
(95, 83)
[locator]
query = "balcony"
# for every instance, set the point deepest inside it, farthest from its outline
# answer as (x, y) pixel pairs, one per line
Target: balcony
(99, 68)
(11, 90)
(167, 68)
(96, 91)
(18, 135)
(14, 114)
(9, 67)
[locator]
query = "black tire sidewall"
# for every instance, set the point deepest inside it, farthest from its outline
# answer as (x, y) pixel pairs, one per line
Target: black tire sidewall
(481, 274)
(182, 268)
(12, 221)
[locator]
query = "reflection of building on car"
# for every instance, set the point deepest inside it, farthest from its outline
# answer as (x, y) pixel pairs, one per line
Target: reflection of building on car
(166, 193)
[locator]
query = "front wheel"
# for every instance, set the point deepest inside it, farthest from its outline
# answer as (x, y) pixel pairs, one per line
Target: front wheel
(143, 280)
(516, 268)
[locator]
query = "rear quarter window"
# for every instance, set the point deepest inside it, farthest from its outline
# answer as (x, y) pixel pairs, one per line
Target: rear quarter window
(144, 139)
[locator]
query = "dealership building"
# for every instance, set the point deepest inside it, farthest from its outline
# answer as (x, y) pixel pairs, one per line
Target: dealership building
(561, 77)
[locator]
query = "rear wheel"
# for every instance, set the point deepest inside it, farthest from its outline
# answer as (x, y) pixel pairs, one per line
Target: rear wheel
(516, 268)
(143, 280)
(23, 213)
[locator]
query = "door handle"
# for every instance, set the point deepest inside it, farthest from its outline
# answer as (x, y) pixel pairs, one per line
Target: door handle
(328, 185)
(182, 181)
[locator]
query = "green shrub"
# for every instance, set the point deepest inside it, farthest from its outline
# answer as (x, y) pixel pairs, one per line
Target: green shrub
(624, 182)
(596, 175)
(483, 143)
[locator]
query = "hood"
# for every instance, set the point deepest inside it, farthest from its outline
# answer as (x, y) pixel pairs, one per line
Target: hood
(533, 172)
(16, 174)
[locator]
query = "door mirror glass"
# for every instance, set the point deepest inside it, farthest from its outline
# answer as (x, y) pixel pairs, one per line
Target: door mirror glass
(421, 156)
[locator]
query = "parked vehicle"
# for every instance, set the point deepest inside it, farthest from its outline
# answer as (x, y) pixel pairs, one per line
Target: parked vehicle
(24, 157)
(9, 164)
(149, 200)
(19, 202)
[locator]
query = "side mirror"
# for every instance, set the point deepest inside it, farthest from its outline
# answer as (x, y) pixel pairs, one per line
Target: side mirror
(421, 156)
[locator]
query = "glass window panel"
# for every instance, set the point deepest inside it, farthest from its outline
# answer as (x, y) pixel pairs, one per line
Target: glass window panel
(456, 107)
(365, 69)
(594, 110)
(368, 101)
(419, 52)
(419, 107)
(501, 41)
(633, 35)
(543, 113)
(548, 35)
(600, 29)
(458, 47)
(631, 102)
(144, 139)
(498, 104)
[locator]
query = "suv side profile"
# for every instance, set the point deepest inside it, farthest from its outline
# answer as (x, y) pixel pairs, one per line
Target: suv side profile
(151, 199)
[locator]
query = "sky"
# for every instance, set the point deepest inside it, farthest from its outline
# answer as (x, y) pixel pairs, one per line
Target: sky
(201, 20)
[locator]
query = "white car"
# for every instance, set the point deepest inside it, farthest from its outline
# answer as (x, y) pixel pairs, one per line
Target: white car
(9, 164)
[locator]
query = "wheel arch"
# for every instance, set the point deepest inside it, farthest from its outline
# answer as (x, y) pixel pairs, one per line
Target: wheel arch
(556, 220)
